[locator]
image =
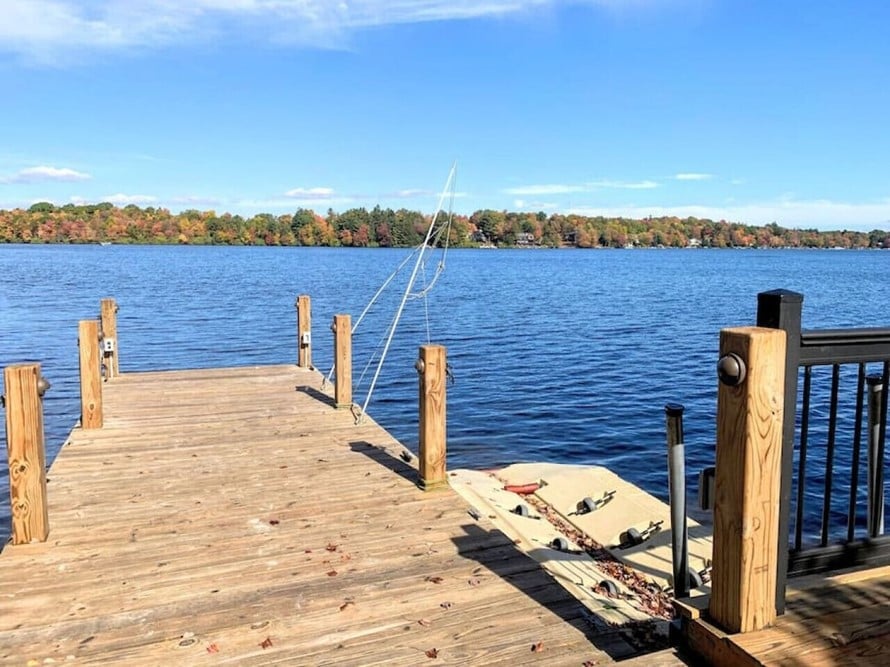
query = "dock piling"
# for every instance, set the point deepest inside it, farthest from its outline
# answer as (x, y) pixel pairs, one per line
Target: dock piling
(304, 331)
(342, 328)
(750, 410)
(90, 375)
(108, 317)
(431, 367)
(26, 450)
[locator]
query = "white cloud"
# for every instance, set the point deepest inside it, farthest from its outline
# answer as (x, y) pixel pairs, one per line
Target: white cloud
(197, 200)
(44, 30)
(564, 188)
(45, 173)
(624, 185)
(547, 189)
(124, 200)
(693, 176)
(313, 194)
(792, 213)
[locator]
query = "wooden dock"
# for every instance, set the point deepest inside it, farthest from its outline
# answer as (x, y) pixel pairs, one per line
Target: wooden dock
(235, 516)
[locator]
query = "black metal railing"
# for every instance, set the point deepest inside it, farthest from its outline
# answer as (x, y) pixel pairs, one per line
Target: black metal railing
(832, 548)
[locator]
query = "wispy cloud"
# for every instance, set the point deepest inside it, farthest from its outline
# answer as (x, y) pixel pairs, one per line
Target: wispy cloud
(565, 188)
(313, 194)
(547, 189)
(624, 185)
(196, 200)
(43, 30)
(788, 212)
(118, 199)
(693, 176)
(43, 174)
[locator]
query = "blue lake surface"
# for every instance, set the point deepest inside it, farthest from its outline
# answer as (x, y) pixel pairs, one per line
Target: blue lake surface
(558, 355)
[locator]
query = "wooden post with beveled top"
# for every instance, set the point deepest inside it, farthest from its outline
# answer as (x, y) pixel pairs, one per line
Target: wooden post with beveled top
(90, 374)
(109, 333)
(342, 328)
(26, 452)
(304, 331)
(750, 410)
(432, 369)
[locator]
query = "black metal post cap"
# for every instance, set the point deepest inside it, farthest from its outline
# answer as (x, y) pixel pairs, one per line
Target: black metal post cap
(674, 409)
(731, 369)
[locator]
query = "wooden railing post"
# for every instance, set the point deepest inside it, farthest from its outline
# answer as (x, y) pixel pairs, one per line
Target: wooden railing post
(23, 389)
(109, 338)
(750, 410)
(342, 328)
(432, 369)
(90, 375)
(304, 331)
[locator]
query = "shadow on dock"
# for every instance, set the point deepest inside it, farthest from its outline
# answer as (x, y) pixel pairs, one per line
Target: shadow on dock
(382, 456)
(319, 396)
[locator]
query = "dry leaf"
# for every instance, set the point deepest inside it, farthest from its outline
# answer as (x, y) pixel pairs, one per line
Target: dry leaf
(537, 648)
(434, 580)
(425, 622)
(432, 653)
(266, 643)
(332, 573)
(213, 648)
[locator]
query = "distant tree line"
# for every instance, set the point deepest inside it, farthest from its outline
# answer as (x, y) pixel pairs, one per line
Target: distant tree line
(358, 227)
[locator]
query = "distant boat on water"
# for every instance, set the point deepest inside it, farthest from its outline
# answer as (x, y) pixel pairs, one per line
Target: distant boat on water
(104, 242)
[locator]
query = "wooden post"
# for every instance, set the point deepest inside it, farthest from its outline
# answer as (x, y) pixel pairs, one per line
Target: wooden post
(90, 375)
(109, 338)
(750, 410)
(342, 328)
(432, 369)
(304, 331)
(26, 453)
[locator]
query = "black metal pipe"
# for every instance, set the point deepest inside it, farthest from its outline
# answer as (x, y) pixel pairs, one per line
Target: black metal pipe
(677, 488)
(875, 457)
(829, 454)
(802, 462)
(857, 448)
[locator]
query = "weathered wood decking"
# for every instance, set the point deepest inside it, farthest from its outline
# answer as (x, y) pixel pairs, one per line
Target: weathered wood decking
(233, 516)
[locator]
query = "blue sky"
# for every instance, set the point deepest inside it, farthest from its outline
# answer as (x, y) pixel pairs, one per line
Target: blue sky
(747, 111)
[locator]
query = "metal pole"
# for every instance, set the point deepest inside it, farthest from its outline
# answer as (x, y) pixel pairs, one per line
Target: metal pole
(677, 485)
(875, 487)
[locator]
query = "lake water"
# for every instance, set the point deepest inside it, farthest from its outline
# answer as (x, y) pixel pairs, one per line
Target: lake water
(558, 355)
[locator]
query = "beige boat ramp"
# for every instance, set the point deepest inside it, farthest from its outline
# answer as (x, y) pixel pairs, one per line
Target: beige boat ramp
(584, 544)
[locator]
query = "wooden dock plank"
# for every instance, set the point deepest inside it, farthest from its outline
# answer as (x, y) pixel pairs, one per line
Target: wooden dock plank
(221, 507)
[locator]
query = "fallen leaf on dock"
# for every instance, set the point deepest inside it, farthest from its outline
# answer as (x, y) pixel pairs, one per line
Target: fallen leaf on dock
(266, 643)
(432, 653)
(332, 573)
